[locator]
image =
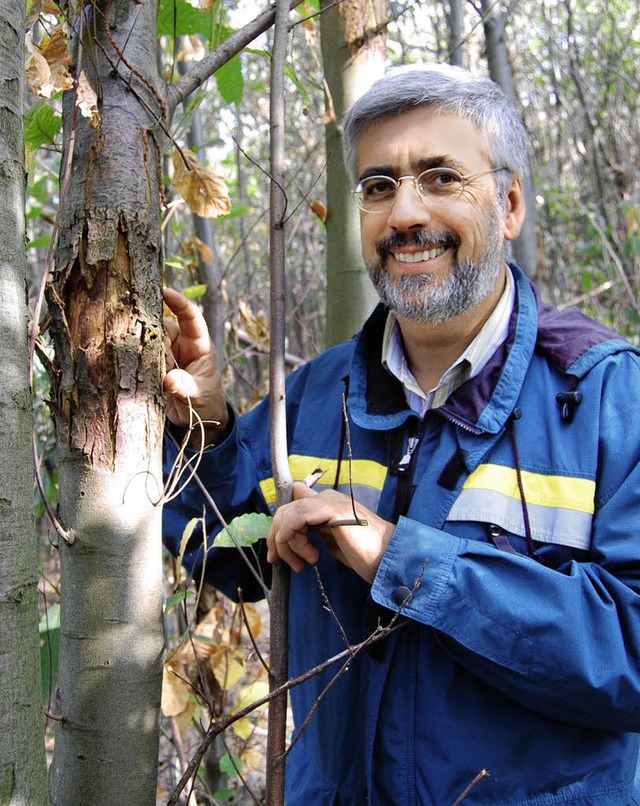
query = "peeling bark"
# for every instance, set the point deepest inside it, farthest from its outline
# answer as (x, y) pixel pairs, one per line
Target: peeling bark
(105, 307)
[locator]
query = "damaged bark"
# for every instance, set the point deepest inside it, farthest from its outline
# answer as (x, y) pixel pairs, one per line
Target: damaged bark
(105, 311)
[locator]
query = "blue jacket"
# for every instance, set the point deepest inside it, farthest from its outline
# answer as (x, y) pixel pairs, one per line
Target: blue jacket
(514, 571)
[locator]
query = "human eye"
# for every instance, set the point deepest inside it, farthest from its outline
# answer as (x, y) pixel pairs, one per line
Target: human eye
(377, 188)
(440, 180)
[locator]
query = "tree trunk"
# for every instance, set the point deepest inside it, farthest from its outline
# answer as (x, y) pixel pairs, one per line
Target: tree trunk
(525, 248)
(455, 42)
(104, 301)
(22, 761)
(353, 53)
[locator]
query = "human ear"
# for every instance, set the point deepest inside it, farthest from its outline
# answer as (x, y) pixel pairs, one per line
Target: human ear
(514, 210)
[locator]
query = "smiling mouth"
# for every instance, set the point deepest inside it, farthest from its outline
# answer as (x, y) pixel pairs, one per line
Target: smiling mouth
(419, 257)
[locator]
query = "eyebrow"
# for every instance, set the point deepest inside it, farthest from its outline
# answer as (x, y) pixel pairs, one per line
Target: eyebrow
(418, 165)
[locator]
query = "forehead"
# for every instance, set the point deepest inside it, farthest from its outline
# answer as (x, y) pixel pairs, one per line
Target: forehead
(405, 142)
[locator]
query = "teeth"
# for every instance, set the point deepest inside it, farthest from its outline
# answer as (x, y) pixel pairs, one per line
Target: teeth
(416, 257)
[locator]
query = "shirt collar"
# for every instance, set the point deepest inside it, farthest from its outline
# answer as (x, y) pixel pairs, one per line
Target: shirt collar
(470, 363)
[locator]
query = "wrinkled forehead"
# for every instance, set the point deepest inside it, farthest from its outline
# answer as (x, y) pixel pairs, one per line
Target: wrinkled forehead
(420, 138)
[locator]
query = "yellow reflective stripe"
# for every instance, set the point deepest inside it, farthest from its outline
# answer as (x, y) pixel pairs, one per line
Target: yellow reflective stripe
(547, 491)
(363, 472)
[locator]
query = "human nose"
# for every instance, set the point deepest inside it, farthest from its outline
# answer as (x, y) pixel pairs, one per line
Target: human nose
(408, 209)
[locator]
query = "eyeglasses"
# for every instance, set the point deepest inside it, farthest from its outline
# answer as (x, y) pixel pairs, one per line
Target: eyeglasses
(435, 186)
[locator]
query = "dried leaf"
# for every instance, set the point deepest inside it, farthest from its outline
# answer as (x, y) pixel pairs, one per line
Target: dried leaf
(194, 245)
(256, 325)
(46, 67)
(87, 100)
(205, 193)
(175, 692)
(320, 209)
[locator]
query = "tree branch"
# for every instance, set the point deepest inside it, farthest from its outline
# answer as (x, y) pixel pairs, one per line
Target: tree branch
(203, 70)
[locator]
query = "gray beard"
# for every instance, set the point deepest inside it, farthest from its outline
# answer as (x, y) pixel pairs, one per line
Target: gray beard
(422, 298)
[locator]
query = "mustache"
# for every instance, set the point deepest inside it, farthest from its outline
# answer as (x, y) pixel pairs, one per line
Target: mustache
(421, 238)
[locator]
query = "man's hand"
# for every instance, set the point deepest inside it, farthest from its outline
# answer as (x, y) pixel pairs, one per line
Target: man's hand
(193, 378)
(359, 547)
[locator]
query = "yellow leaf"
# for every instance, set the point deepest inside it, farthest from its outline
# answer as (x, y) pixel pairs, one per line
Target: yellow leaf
(243, 727)
(185, 718)
(175, 692)
(254, 620)
(251, 693)
(205, 193)
(253, 759)
(87, 100)
(227, 668)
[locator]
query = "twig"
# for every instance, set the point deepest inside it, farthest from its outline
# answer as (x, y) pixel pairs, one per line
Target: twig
(250, 633)
(473, 783)
(222, 724)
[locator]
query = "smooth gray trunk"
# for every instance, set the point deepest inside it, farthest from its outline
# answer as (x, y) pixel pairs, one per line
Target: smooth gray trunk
(525, 248)
(22, 760)
(353, 58)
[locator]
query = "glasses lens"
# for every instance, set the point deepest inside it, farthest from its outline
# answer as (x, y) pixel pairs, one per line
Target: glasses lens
(376, 193)
(440, 186)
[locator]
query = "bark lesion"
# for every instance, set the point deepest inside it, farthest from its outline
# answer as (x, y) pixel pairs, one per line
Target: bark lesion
(105, 345)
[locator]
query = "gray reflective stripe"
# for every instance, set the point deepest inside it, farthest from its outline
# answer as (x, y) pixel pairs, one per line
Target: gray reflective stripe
(566, 527)
(365, 495)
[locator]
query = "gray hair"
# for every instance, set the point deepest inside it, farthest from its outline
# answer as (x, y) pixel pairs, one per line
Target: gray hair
(450, 90)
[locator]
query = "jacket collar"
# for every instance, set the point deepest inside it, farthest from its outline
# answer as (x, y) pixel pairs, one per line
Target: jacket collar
(570, 340)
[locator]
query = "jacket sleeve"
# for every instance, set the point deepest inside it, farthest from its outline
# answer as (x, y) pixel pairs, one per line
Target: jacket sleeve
(564, 643)
(230, 474)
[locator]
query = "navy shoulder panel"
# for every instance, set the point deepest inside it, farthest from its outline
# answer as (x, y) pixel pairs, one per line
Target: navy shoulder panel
(566, 336)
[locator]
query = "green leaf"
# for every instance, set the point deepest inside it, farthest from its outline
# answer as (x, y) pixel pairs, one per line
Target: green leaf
(49, 629)
(172, 601)
(41, 242)
(41, 124)
(299, 85)
(247, 530)
(226, 764)
(179, 17)
(230, 81)
(195, 291)
(186, 536)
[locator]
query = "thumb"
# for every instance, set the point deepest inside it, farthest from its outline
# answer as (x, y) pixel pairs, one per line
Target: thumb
(302, 490)
(180, 383)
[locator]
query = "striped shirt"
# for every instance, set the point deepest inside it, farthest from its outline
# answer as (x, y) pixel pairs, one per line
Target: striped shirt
(470, 363)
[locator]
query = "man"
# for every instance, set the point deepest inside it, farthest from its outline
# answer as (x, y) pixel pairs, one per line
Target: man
(491, 444)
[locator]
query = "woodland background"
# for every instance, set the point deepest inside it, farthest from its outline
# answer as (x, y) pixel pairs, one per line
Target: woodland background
(571, 68)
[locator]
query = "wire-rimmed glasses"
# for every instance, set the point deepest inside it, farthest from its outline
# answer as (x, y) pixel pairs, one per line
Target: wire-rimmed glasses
(435, 186)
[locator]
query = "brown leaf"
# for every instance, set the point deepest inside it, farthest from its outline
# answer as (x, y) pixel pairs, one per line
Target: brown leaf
(320, 209)
(47, 71)
(87, 100)
(256, 325)
(205, 193)
(194, 245)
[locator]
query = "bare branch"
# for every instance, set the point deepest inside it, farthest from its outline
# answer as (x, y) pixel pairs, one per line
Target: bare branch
(203, 70)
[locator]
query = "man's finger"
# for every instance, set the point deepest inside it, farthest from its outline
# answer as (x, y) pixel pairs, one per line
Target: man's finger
(190, 319)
